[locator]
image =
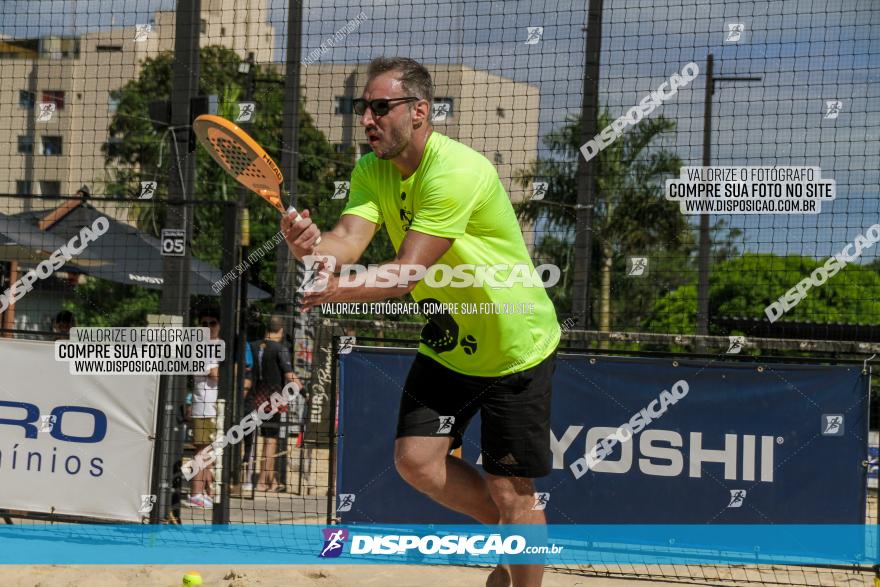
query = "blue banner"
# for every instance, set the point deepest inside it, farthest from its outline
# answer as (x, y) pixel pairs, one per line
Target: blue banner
(737, 443)
(267, 544)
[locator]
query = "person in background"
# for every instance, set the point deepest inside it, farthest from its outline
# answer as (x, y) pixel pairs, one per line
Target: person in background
(249, 456)
(204, 417)
(272, 370)
(299, 411)
(64, 321)
(248, 359)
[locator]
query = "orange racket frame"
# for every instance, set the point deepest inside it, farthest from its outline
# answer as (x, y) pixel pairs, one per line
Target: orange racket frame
(243, 158)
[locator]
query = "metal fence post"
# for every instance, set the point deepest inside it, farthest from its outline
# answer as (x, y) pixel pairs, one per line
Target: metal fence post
(228, 323)
(331, 434)
(181, 183)
(586, 174)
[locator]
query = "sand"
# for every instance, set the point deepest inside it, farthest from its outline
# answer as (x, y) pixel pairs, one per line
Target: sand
(247, 576)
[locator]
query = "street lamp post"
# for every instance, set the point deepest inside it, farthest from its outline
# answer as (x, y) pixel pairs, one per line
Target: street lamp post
(705, 244)
(586, 171)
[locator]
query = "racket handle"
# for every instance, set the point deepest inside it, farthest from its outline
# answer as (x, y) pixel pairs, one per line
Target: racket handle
(291, 211)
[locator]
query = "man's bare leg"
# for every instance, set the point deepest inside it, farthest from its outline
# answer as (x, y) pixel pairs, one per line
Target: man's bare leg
(424, 462)
(499, 577)
(515, 498)
(266, 481)
(199, 482)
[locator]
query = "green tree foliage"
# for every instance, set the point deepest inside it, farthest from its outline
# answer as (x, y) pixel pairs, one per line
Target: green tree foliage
(137, 152)
(743, 287)
(631, 217)
(106, 303)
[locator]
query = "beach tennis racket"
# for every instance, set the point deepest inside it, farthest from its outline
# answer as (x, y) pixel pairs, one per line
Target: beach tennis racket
(243, 158)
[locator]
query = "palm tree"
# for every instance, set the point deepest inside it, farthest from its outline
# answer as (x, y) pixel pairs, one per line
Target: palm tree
(630, 214)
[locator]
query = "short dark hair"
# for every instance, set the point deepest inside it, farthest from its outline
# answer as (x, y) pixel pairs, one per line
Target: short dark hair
(276, 323)
(65, 317)
(413, 75)
(209, 313)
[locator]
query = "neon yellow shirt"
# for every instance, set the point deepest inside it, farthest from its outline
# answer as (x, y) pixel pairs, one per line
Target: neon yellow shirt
(496, 325)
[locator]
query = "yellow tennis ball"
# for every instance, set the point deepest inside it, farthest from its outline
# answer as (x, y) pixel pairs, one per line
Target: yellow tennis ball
(192, 578)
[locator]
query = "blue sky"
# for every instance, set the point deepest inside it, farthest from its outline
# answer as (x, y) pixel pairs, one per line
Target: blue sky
(805, 52)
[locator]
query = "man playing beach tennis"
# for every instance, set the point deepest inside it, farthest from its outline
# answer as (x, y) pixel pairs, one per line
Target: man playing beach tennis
(444, 207)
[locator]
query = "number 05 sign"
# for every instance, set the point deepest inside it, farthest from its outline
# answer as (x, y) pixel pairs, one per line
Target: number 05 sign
(173, 242)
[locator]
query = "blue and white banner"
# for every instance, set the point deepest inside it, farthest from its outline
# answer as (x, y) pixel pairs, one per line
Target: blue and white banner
(273, 544)
(78, 445)
(746, 444)
(873, 458)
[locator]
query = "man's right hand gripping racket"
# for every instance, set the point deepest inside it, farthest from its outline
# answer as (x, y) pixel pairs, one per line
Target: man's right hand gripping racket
(242, 158)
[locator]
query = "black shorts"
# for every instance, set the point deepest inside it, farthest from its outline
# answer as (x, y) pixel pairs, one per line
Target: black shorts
(273, 430)
(514, 412)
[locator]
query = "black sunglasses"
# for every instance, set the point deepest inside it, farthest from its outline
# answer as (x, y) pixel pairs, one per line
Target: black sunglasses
(209, 323)
(380, 107)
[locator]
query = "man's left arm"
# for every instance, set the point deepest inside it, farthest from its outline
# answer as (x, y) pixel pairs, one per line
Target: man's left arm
(286, 362)
(417, 253)
(443, 214)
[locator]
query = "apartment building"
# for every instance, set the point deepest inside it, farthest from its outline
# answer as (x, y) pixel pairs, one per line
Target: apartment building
(58, 152)
(494, 115)
(55, 149)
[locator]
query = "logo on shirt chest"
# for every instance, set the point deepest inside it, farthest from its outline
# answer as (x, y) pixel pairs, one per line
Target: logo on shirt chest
(469, 344)
(441, 331)
(406, 215)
